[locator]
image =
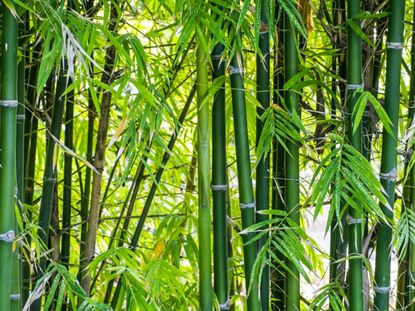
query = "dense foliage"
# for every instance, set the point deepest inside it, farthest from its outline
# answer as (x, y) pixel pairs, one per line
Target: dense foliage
(176, 155)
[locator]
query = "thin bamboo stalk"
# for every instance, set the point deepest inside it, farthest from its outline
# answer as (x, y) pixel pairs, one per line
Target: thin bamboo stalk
(166, 156)
(219, 183)
(99, 158)
(262, 171)
(67, 181)
(8, 111)
(388, 168)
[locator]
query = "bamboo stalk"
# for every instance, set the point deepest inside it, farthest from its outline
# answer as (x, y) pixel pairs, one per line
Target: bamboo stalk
(354, 80)
(246, 195)
(8, 111)
(292, 159)
(262, 171)
(388, 168)
(99, 158)
(219, 183)
(67, 182)
(204, 220)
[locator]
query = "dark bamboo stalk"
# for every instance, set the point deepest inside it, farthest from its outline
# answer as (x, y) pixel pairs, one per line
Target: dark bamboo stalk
(292, 159)
(388, 170)
(278, 275)
(219, 183)
(262, 171)
(354, 80)
(243, 160)
(67, 182)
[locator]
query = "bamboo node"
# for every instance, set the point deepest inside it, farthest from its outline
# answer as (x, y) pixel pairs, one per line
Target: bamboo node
(7, 237)
(21, 117)
(235, 70)
(219, 187)
(354, 86)
(216, 56)
(49, 179)
(247, 205)
(382, 290)
(391, 175)
(394, 45)
(352, 221)
(9, 103)
(226, 305)
(15, 297)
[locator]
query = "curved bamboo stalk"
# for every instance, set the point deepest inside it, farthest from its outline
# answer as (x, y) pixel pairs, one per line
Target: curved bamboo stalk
(388, 170)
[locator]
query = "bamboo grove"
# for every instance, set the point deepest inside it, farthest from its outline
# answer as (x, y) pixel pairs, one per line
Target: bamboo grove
(207, 155)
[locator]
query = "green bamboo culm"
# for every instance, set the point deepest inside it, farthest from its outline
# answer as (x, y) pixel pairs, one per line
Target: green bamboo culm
(388, 170)
(219, 183)
(292, 159)
(204, 221)
(8, 111)
(354, 82)
(246, 194)
(262, 171)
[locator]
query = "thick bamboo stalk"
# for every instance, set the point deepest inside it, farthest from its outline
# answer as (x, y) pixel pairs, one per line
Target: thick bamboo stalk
(219, 183)
(292, 160)
(8, 111)
(354, 80)
(243, 160)
(262, 171)
(388, 170)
